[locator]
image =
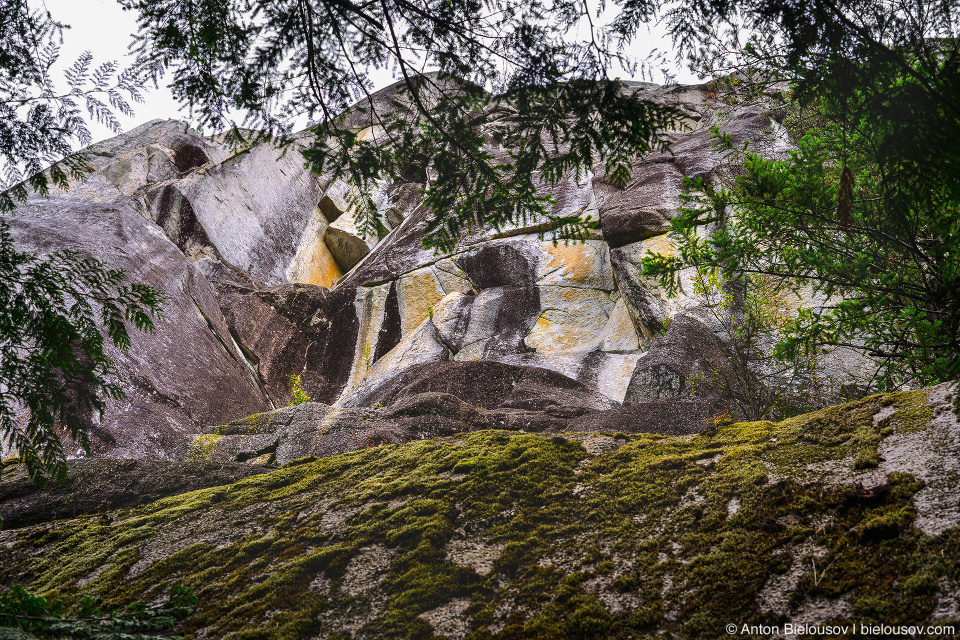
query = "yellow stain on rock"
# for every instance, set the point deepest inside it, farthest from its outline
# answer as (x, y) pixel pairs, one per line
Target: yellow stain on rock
(419, 293)
(579, 259)
(576, 298)
(549, 335)
(661, 244)
(375, 133)
(317, 266)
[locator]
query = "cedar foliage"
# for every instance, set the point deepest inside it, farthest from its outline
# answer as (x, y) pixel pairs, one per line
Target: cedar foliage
(866, 209)
(40, 123)
(54, 309)
(37, 618)
(54, 371)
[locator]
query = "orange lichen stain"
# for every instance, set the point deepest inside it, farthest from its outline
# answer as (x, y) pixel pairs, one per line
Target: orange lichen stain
(375, 133)
(420, 292)
(317, 266)
(580, 261)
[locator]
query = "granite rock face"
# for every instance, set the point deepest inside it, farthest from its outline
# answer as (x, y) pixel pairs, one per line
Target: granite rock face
(189, 372)
(268, 276)
(582, 310)
(191, 216)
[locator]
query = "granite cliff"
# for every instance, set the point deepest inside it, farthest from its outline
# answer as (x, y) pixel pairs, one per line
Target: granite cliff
(267, 276)
(502, 441)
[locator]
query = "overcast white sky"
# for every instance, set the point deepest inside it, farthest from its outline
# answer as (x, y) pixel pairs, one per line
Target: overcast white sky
(105, 29)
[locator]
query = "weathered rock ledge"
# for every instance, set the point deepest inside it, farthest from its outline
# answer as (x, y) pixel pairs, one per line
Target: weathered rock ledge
(97, 486)
(846, 515)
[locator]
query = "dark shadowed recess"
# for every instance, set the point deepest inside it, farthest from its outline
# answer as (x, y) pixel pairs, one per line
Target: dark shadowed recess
(479, 383)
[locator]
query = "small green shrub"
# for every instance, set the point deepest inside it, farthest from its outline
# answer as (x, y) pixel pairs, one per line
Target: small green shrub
(47, 618)
(297, 394)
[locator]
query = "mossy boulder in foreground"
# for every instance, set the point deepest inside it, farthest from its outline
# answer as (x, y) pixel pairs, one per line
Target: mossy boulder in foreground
(848, 515)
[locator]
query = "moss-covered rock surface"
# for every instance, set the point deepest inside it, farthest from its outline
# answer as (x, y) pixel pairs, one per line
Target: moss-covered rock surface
(849, 515)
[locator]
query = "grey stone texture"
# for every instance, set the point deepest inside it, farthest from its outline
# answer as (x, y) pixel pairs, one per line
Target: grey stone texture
(267, 276)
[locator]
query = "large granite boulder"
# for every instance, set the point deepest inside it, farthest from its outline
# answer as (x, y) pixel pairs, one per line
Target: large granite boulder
(687, 377)
(487, 384)
(845, 517)
(293, 329)
(688, 362)
(189, 372)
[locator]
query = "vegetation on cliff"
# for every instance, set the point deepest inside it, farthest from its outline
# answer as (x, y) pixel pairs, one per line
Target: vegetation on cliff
(25, 616)
(505, 535)
(865, 212)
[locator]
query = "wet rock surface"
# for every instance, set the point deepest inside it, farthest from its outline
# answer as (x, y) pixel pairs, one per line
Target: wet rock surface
(294, 329)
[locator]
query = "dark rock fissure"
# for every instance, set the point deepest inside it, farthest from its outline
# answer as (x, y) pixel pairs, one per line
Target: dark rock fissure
(329, 209)
(215, 333)
(390, 330)
(174, 214)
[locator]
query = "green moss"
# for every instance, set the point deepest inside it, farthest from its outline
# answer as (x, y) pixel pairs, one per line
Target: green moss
(913, 410)
(298, 461)
(9, 467)
(251, 425)
(202, 446)
(866, 460)
(690, 527)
